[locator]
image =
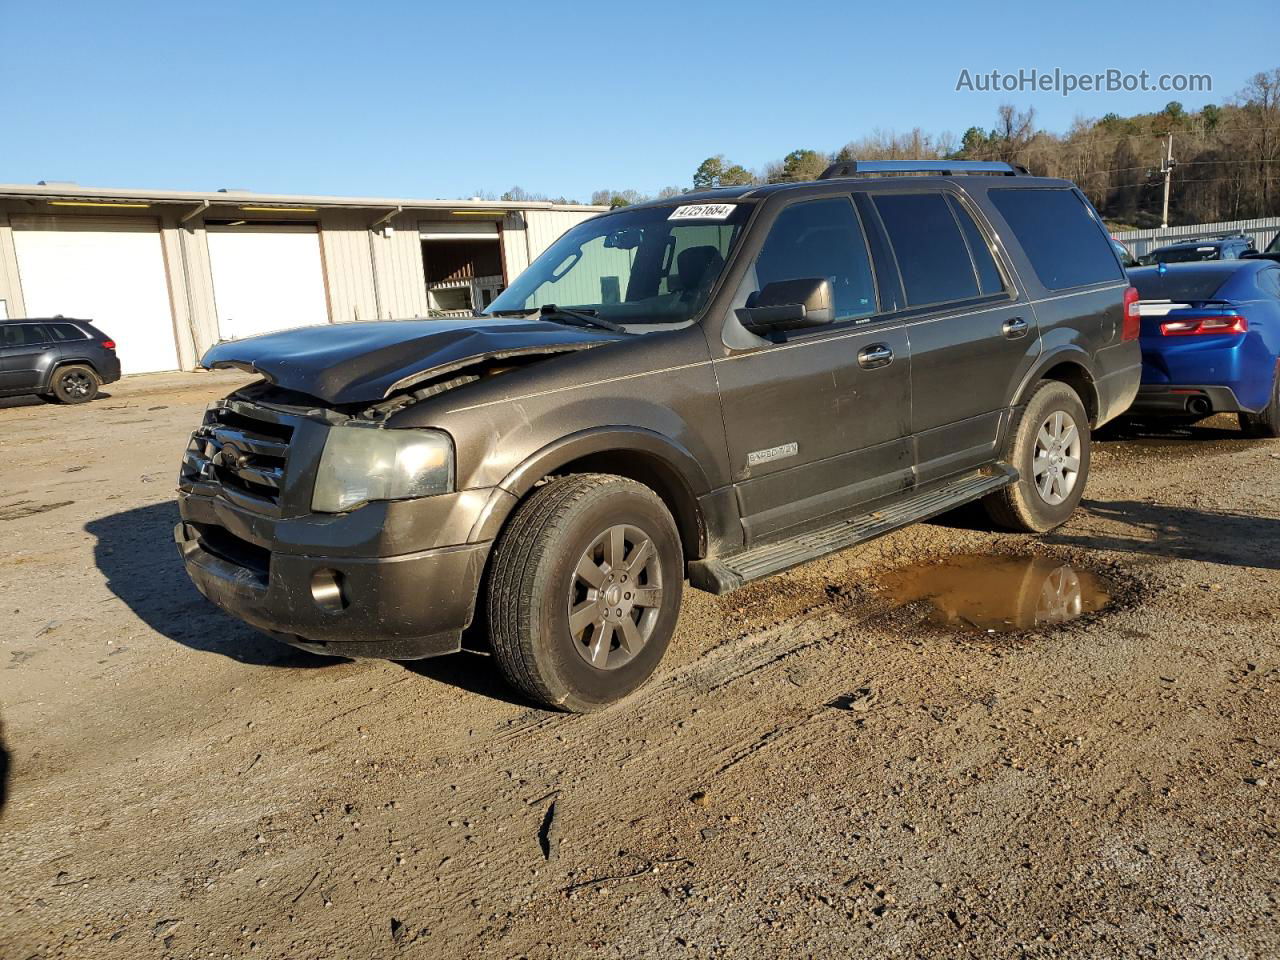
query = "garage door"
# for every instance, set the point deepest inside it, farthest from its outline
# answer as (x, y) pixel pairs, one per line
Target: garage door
(266, 278)
(104, 269)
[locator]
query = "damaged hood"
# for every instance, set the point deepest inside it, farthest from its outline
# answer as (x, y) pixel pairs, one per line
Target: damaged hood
(365, 362)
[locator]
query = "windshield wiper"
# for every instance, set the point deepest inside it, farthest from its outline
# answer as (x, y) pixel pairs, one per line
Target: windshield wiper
(581, 318)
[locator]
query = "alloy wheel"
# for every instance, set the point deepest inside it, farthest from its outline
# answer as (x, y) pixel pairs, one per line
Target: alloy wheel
(76, 384)
(1055, 462)
(614, 597)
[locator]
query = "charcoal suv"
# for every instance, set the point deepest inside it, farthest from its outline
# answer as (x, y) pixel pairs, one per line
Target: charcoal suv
(712, 388)
(59, 358)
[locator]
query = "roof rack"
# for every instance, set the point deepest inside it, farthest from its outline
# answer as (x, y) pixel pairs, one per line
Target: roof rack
(946, 168)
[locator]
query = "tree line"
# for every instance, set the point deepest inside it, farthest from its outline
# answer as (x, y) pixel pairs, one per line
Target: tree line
(1227, 159)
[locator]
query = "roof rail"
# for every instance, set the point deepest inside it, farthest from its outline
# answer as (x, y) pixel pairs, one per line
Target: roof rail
(946, 168)
(1212, 237)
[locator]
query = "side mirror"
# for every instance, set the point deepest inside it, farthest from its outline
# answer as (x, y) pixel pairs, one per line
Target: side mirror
(789, 305)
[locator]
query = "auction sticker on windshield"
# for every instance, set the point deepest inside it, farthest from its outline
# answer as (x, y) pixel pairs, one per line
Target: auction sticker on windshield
(702, 211)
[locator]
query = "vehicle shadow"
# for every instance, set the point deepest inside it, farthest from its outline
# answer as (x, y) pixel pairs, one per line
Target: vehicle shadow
(4, 771)
(31, 400)
(136, 553)
(471, 670)
(1161, 530)
(1156, 430)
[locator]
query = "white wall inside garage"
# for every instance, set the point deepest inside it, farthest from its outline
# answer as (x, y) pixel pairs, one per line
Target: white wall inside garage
(367, 273)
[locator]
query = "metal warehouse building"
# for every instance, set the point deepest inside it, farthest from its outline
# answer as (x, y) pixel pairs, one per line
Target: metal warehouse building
(167, 274)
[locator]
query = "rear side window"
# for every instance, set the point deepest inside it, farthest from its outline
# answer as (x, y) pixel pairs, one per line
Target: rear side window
(931, 252)
(67, 331)
(1067, 247)
(989, 278)
(821, 238)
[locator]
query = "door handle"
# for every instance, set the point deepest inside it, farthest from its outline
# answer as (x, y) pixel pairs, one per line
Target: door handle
(1015, 328)
(876, 355)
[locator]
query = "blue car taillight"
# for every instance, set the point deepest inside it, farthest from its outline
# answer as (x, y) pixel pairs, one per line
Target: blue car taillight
(1190, 325)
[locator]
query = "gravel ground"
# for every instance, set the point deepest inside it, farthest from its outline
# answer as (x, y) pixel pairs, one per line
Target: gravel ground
(814, 772)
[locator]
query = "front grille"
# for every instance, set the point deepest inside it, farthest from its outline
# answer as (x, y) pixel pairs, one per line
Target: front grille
(242, 448)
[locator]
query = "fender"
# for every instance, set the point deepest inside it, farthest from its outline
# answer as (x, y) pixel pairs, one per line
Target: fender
(681, 467)
(1066, 353)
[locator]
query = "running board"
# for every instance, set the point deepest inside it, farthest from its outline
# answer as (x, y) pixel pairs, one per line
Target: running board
(725, 574)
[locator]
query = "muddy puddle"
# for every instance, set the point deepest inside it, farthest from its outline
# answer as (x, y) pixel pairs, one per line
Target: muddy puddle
(999, 594)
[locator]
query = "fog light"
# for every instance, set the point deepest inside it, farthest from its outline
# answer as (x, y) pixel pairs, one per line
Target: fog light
(327, 592)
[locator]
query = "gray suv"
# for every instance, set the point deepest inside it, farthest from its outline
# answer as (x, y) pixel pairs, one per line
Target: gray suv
(709, 389)
(59, 358)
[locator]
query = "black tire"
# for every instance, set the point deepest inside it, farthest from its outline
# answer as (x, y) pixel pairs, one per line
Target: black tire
(1266, 422)
(537, 575)
(1022, 505)
(75, 384)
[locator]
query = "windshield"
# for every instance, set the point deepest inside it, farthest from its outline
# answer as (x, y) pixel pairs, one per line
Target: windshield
(651, 265)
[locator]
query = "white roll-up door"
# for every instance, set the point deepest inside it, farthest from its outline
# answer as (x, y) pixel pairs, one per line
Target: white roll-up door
(266, 278)
(108, 270)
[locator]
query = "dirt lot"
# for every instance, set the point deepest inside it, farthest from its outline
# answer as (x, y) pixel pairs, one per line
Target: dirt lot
(814, 772)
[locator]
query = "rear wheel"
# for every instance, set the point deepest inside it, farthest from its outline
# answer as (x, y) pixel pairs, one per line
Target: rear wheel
(584, 591)
(1049, 445)
(1266, 422)
(75, 384)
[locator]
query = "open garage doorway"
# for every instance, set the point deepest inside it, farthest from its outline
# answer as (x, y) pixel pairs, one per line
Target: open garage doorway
(462, 263)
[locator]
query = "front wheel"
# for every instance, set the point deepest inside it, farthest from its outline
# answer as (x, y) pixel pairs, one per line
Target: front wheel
(584, 591)
(1050, 448)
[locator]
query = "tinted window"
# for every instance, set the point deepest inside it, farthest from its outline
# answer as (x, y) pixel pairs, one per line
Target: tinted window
(25, 334)
(989, 278)
(1067, 247)
(931, 253)
(66, 331)
(1189, 254)
(821, 238)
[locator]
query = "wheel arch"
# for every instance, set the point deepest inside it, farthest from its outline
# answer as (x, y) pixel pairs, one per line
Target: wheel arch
(63, 362)
(639, 454)
(1072, 366)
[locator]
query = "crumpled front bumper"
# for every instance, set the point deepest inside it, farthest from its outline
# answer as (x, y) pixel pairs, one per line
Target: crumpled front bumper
(401, 607)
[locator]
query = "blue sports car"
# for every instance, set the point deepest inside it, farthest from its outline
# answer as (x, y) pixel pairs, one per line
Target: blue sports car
(1211, 341)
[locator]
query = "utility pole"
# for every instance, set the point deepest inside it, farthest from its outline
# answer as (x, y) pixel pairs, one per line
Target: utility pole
(1167, 163)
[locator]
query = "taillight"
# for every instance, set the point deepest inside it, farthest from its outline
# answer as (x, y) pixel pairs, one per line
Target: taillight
(108, 344)
(1190, 326)
(1131, 326)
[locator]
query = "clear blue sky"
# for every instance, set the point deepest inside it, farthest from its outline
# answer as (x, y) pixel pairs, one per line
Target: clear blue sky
(430, 99)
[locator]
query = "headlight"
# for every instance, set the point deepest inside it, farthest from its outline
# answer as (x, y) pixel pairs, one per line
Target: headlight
(360, 464)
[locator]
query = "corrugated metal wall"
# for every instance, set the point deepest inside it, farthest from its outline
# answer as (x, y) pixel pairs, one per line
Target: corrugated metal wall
(1144, 241)
(10, 287)
(545, 226)
(344, 245)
